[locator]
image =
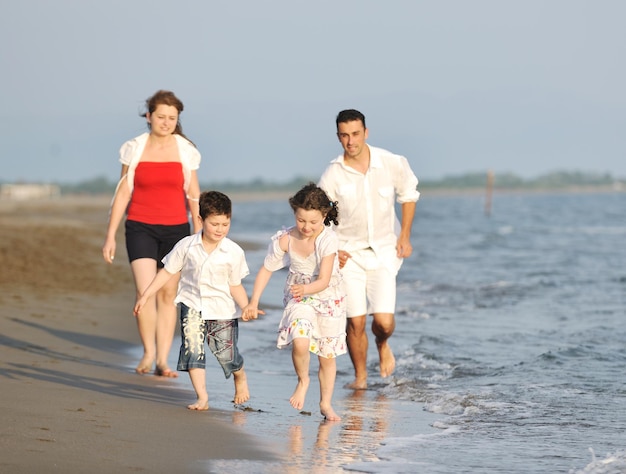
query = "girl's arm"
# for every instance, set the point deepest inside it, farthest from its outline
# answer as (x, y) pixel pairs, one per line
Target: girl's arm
(118, 208)
(251, 310)
(155, 285)
(322, 281)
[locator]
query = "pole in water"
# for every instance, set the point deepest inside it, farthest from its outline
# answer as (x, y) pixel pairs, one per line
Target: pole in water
(489, 193)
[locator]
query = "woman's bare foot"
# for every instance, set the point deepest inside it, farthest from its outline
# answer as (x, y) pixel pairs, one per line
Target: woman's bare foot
(387, 360)
(202, 404)
(165, 372)
(242, 394)
(144, 366)
(299, 394)
(329, 413)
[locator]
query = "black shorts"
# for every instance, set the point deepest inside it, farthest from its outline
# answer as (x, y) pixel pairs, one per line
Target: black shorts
(152, 240)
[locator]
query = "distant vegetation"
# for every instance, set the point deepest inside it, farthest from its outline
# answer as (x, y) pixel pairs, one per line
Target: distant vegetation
(505, 181)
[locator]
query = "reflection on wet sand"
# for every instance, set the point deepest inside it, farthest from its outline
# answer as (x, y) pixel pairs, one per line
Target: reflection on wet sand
(355, 438)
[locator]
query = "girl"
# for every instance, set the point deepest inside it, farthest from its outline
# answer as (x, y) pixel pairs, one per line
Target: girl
(314, 319)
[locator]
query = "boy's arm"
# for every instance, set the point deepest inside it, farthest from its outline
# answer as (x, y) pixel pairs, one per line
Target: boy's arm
(155, 285)
(238, 292)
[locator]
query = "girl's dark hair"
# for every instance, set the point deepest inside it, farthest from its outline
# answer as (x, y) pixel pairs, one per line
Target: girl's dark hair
(214, 203)
(163, 97)
(312, 197)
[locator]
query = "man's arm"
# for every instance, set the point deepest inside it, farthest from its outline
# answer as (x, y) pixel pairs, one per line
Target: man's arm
(403, 246)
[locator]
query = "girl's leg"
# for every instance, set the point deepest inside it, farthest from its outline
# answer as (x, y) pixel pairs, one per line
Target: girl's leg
(165, 325)
(198, 380)
(144, 270)
(300, 356)
(327, 374)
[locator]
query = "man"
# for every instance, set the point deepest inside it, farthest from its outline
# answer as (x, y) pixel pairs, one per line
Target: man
(366, 181)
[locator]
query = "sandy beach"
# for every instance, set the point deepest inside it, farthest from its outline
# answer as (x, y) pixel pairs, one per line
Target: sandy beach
(71, 401)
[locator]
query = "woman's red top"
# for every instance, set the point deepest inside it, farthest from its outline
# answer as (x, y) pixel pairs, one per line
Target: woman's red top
(158, 195)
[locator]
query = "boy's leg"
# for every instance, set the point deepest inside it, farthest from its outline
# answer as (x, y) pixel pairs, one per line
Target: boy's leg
(198, 380)
(192, 354)
(327, 375)
(222, 337)
(300, 356)
(242, 394)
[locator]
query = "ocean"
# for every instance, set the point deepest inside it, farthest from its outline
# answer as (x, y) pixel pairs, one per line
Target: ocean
(510, 347)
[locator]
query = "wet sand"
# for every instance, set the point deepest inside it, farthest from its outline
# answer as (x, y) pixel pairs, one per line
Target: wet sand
(70, 399)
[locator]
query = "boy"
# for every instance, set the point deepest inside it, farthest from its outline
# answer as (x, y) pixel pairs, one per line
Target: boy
(211, 268)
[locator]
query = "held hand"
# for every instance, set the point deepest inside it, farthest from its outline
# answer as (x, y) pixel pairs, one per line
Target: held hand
(343, 257)
(250, 312)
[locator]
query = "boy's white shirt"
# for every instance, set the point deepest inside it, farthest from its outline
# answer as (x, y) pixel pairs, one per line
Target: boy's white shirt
(205, 279)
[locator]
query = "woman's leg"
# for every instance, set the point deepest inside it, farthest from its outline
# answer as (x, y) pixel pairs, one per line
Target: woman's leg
(300, 356)
(327, 375)
(165, 325)
(144, 270)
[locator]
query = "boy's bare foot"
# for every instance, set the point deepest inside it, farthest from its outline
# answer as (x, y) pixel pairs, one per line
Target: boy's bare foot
(387, 360)
(299, 394)
(242, 394)
(329, 413)
(357, 384)
(200, 405)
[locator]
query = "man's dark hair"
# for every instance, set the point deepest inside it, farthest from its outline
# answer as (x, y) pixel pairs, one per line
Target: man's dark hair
(350, 115)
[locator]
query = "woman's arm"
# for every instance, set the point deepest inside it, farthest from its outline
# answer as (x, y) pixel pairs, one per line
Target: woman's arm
(193, 196)
(118, 208)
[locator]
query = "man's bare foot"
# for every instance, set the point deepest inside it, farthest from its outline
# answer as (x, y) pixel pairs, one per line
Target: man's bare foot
(357, 384)
(201, 404)
(299, 394)
(329, 413)
(387, 360)
(242, 394)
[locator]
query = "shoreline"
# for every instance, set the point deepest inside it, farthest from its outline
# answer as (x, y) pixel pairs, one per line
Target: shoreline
(71, 401)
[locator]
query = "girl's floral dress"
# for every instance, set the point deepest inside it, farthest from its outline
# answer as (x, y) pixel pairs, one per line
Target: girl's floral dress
(320, 317)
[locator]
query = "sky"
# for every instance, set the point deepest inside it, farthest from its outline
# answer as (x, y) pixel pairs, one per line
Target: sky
(457, 86)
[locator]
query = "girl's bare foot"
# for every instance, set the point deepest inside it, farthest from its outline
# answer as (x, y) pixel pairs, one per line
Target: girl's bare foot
(200, 405)
(329, 413)
(299, 394)
(242, 394)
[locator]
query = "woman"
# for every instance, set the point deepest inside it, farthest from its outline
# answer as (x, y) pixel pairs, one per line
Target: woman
(157, 189)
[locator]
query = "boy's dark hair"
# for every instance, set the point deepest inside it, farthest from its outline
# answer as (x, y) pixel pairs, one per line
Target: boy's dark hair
(214, 202)
(312, 197)
(350, 115)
